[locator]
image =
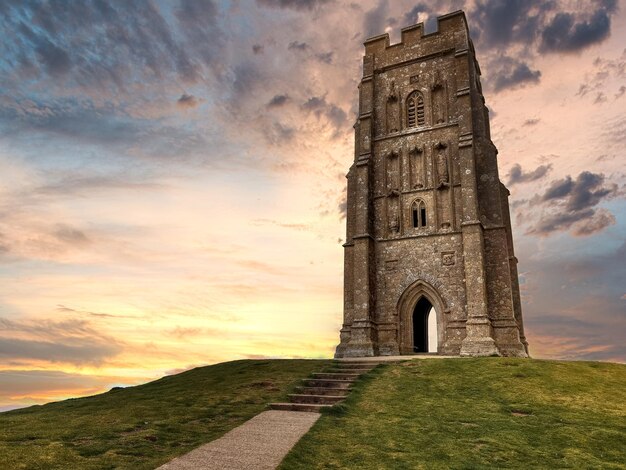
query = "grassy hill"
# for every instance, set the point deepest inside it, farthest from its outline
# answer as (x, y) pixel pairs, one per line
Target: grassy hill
(145, 426)
(440, 413)
(475, 413)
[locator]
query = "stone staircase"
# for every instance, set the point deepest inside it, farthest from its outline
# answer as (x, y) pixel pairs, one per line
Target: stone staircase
(325, 389)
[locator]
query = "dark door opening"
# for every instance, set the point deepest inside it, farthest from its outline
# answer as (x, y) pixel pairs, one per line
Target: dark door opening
(420, 325)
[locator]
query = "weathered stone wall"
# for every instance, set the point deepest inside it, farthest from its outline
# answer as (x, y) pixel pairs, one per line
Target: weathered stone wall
(427, 214)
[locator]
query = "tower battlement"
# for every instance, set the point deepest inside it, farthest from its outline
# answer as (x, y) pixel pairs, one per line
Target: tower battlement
(452, 32)
(429, 249)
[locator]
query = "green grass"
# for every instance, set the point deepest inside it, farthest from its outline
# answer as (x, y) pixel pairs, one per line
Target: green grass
(474, 414)
(142, 427)
(432, 413)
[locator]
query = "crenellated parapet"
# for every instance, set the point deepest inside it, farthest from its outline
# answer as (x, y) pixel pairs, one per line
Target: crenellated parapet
(452, 35)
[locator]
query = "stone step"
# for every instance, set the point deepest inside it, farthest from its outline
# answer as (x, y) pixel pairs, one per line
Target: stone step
(321, 399)
(369, 365)
(328, 383)
(308, 407)
(354, 364)
(323, 391)
(348, 371)
(334, 375)
(357, 368)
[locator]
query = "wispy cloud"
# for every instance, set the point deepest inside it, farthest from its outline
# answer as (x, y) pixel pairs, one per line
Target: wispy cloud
(166, 168)
(69, 341)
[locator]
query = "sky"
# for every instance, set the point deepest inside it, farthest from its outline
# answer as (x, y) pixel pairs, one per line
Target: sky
(172, 178)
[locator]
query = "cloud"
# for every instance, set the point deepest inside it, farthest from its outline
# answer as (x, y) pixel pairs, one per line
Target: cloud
(247, 76)
(502, 22)
(334, 115)
(78, 351)
(600, 98)
(585, 318)
(74, 184)
(277, 101)
(198, 23)
(412, 16)
(584, 192)
(260, 267)
(187, 101)
(56, 60)
(600, 220)
(300, 227)
(552, 25)
(511, 73)
(564, 34)
(325, 57)
(279, 133)
(559, 189)
(375, 19)
(68, 341)
(298, 46)
(70, 235)
(299, 5)
(72, 123)
(614, 131)
(552, 223)
(569, 204)
(180, 332)
(517, 175)
(70, 118)
(46, 382)
(108, 47)
(64, 309)
(343, 208)
(604, 70)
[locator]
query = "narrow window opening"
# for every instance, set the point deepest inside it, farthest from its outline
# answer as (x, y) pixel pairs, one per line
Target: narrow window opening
(420, 110)
(415, 115)
(411, 112)
(418, 213)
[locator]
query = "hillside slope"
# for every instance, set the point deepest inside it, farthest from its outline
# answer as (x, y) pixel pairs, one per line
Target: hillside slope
(144, 426)
(439, 413)
(475, 413)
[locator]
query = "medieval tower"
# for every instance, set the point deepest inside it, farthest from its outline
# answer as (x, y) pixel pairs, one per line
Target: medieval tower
(429, 263)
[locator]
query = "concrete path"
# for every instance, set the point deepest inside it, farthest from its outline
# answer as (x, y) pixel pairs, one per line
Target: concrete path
(258, 444)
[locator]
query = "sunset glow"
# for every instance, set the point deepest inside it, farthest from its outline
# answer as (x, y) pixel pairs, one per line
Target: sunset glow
(172, 178)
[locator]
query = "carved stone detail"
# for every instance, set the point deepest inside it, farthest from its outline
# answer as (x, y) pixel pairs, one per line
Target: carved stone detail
(443, 173)
(438, 90)
(416, 162)
(393, 110)
(447, 258)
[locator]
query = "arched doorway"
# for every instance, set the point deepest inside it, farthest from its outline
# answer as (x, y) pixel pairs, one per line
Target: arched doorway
(424, 327)
(421, 325)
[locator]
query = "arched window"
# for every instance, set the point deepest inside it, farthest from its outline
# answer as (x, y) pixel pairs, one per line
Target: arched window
(418, 213)
(415, 110)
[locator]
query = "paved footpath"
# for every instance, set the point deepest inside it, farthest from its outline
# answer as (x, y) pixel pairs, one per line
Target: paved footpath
(258, 444)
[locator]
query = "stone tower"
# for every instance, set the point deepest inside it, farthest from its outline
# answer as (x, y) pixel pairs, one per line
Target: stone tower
(429, 263)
